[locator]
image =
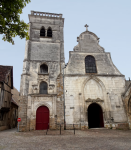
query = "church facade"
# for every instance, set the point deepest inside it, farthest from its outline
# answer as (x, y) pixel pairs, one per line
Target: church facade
(86, 93)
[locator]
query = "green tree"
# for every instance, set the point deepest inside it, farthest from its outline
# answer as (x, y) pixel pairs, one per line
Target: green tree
(10, 23)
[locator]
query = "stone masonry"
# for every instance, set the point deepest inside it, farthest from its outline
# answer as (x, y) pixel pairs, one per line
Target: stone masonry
(127, 101)
(103, 88)
(38, 51)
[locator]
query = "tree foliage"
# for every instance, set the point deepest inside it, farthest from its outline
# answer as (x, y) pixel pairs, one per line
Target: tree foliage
(10, 23)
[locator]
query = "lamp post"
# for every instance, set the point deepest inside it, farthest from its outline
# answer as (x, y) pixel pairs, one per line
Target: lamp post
(64, 97)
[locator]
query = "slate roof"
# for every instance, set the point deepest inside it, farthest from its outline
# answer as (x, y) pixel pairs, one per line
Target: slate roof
(4, 71)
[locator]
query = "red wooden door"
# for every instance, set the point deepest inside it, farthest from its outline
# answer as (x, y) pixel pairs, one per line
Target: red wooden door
(42, 118)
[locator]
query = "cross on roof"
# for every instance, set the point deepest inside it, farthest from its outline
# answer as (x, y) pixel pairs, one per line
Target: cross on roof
(86, 27)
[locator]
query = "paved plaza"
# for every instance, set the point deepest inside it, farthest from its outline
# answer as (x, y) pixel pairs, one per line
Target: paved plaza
(92, 139)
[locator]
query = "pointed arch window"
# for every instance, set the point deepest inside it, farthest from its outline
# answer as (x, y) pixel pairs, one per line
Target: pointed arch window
(43, 87)
(42, 31)
(44, 69)
(90, 64)
(49, 32)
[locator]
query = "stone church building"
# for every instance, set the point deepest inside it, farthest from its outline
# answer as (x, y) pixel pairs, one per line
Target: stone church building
(86, 93)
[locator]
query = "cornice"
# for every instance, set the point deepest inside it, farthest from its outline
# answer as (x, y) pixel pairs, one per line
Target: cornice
(42, 95)
(106, 75)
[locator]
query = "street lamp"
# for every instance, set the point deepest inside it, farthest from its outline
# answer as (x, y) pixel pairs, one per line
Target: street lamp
(64, 97)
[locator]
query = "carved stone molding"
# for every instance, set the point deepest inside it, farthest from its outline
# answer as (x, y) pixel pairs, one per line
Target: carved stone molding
(94, 100)
(43, 78)
(51, 86)
(35, 87)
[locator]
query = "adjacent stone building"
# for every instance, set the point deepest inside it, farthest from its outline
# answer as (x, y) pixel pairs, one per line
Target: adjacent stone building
(93, 86)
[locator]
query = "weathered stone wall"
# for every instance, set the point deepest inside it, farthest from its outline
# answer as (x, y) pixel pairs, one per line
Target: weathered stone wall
(34, 102)
(127, 102)
(82, 91)
(23, 113)
(42, 50)
(88, 44)
(104, 87)
(104, 63)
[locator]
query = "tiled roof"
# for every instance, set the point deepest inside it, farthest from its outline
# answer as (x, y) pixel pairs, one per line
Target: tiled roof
(4, 71)
(12, 101)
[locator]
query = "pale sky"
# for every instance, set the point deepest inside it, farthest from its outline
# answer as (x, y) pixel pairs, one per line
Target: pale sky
(109, 20)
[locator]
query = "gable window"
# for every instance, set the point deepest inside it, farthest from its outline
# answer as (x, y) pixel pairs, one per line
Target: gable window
(90, 64)
(49, 32)
(42, 31)
(43, 87)
(44, 69)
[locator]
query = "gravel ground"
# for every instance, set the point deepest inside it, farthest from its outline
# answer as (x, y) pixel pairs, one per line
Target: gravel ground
(92, 139)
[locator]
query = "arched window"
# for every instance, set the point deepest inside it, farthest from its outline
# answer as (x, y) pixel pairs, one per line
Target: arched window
(42, 31)
(43, 87)
(44, 69)
(49, 32)
(90, 64)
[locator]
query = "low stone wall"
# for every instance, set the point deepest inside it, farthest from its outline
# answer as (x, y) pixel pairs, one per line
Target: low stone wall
(4, 128)
(121, 126)
(124, 126)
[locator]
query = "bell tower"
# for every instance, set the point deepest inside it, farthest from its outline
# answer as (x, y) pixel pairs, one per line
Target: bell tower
(43, 61)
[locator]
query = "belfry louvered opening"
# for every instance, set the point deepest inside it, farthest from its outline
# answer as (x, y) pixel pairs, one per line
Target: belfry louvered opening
(44, 69)
(49, 32)
(42, 31)
(43, 87)
(90, 64)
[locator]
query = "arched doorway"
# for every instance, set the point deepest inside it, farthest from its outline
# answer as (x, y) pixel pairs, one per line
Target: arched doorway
(42, 118)
(95, 116)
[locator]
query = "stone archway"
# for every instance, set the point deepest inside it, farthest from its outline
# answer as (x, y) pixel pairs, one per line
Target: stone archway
(95, 116)
(42, 118)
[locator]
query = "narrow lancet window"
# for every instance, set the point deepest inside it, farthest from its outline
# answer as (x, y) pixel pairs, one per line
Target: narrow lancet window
(90, 64)
(44, 69)
(42, 31)
(43, 87)
(49, 32)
